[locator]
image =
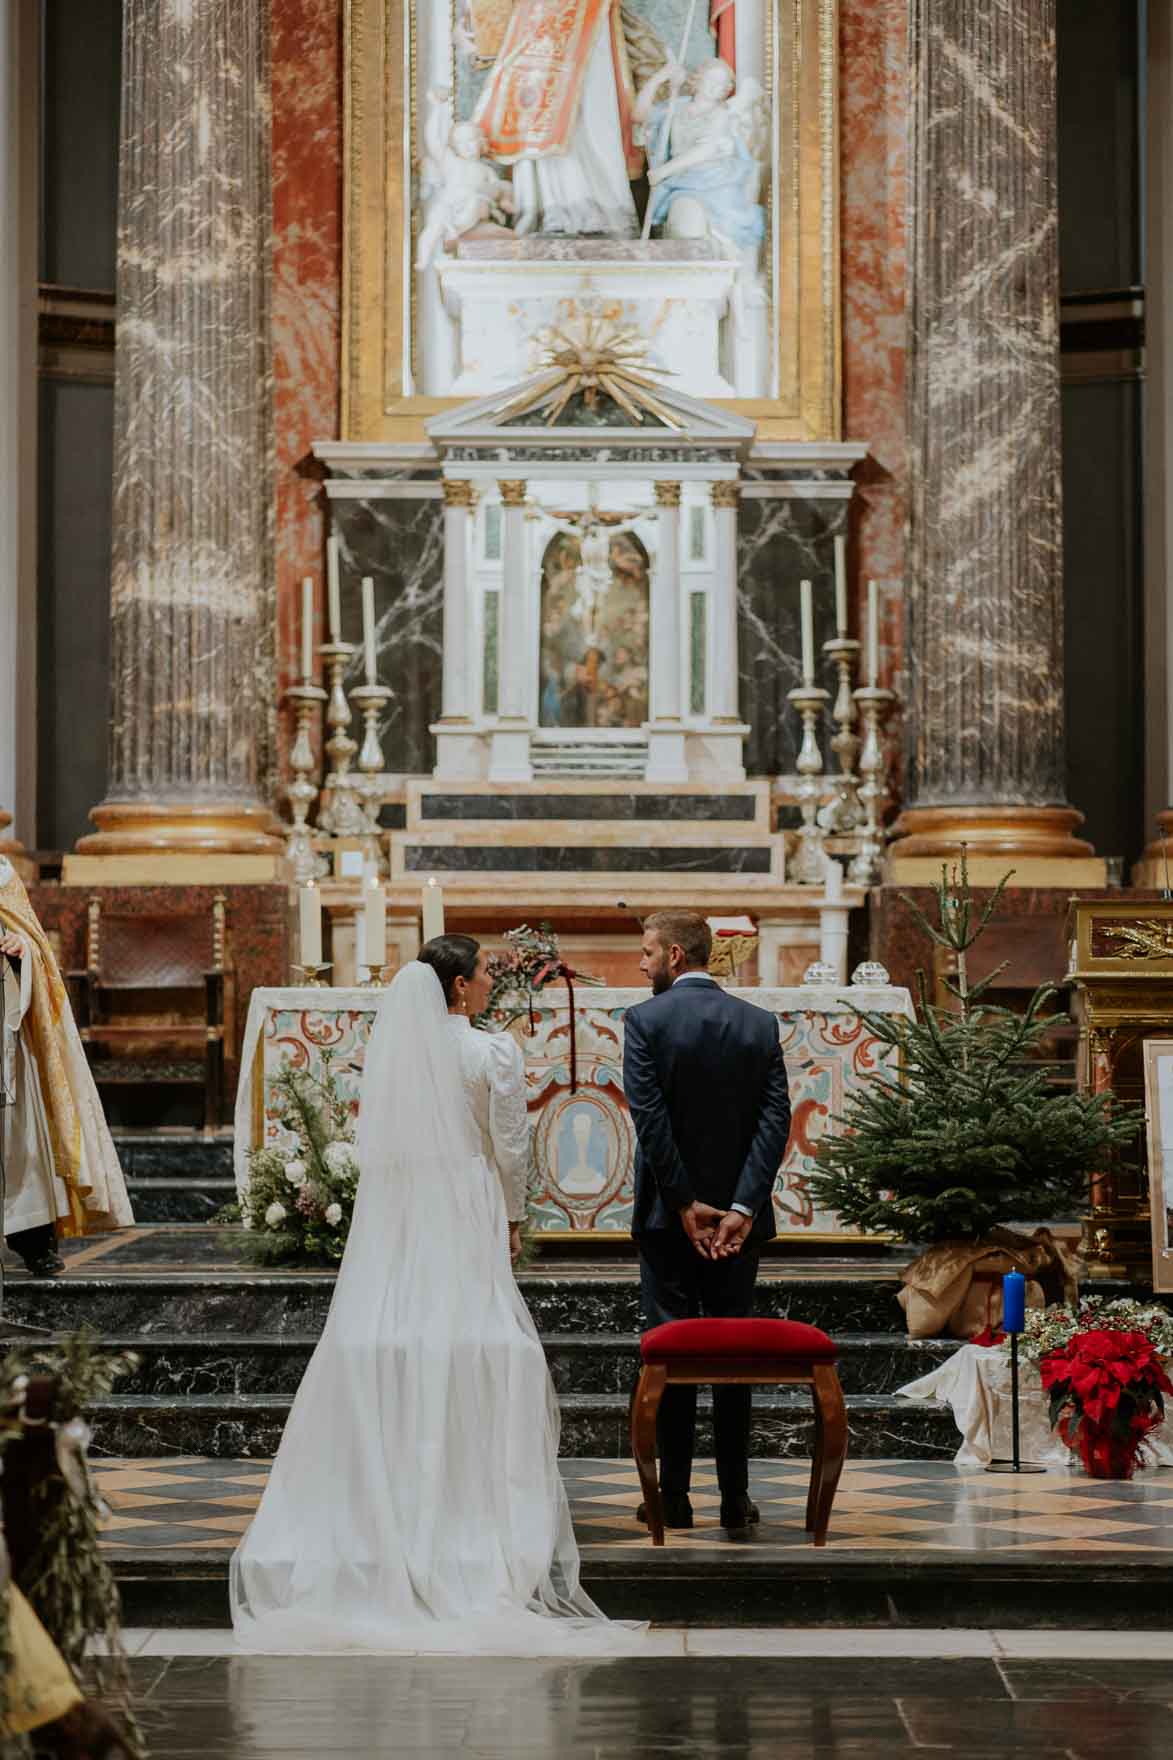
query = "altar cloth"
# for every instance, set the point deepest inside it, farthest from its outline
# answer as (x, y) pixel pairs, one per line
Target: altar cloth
(583, 1143)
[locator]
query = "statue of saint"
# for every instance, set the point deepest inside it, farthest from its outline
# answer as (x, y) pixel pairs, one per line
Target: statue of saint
(558, 106)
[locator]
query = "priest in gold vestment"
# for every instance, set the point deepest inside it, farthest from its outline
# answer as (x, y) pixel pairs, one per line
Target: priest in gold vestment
(61, 1173)
(558, 106)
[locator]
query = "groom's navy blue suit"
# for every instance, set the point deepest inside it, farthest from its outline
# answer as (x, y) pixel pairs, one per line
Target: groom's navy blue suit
(706, 1085)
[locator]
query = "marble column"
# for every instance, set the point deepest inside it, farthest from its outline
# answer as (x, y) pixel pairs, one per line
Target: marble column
(192, 714)
(666, 754)
(985, 611)
(509, 755)
(458, 748)
(724, 737)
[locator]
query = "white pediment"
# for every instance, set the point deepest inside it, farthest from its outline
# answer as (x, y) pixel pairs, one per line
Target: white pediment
(490, 422)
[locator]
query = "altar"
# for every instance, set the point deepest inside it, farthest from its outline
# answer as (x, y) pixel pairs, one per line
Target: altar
(582, 1140)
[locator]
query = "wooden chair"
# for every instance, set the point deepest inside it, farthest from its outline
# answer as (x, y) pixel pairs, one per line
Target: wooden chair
(775, 1353)
(155, 985)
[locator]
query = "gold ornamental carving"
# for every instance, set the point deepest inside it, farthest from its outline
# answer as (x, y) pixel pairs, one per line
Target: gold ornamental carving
(513, 493)
(458, 493)
(667, 494)
(1140, 940)
(726, 494)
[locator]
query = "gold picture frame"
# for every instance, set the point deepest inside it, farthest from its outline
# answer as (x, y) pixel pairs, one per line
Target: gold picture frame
(382, 132)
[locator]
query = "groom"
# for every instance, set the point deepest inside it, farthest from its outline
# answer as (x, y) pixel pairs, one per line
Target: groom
(706, 1086)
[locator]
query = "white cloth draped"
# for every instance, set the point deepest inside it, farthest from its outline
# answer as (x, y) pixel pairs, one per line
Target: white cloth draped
(416, 1503)
(33, 1194)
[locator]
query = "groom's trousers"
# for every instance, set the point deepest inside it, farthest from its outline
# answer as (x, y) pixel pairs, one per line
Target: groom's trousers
(677, 1284)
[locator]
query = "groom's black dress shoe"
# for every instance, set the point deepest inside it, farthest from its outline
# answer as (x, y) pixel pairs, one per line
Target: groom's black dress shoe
(677, 1510)
(739, 1515)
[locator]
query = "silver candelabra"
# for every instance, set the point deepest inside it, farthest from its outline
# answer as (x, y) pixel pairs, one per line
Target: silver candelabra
(844, 812)
(809, 865)
(874, 705)
(370, 699)
(308, 864)
(344, 812)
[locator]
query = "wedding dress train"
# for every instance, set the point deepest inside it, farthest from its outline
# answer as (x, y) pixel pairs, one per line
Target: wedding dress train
(416, 1503)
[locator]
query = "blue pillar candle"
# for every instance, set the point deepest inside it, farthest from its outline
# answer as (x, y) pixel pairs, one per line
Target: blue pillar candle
(1013, 1302)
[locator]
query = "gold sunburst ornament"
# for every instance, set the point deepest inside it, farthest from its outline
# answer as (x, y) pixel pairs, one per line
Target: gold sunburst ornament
(591, 356)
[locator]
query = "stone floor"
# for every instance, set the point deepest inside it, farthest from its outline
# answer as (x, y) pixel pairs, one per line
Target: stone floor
(735, 1696)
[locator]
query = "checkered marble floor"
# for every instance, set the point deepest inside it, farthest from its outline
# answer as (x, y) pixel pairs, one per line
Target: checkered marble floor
(203, 1506)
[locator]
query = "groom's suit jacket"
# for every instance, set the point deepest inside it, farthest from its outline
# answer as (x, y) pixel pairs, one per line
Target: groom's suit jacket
(706, 1086)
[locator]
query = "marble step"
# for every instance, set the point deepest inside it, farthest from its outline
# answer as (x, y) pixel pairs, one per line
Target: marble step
(187, 1155)
(159, 1199)
(239, 1426)
(580, 1363)
(288, 1303)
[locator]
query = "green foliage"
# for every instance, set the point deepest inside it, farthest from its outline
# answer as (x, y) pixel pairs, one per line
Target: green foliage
(299, 1204)
(959, 1132)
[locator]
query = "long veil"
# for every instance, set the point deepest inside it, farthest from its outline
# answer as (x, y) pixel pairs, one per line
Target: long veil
(415, 1502)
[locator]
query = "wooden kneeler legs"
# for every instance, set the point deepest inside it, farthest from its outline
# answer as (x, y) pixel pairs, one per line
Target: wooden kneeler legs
(830, 1450)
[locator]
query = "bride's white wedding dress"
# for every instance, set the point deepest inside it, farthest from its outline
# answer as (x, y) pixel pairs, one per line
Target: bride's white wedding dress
(415, 1503)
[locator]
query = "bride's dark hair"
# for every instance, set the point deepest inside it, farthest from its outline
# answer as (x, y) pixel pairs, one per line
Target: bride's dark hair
(450, 957)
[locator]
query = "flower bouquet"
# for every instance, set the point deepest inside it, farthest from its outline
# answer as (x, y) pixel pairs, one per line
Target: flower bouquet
(531, 960)
(1107, 1389)
(298, 1206)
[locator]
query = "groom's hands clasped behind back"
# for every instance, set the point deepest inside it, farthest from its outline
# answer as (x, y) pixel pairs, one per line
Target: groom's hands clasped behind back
(716, 1234)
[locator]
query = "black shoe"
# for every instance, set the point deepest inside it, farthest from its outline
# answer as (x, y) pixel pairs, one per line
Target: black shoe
(677, 1510)
(739, 1515)
(47, 1265)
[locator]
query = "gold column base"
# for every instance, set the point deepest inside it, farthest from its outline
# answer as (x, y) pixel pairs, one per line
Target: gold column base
(1037, 842)
(1156, 864)
(154, 843)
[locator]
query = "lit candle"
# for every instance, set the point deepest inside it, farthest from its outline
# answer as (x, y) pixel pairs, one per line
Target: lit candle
(841, 586)
(1013, 1302)
(307, 628)
(368, 625)
(808, 633)
(873, 636)
(375, 917)
(433, 911)
(309, 914)
(333, 589)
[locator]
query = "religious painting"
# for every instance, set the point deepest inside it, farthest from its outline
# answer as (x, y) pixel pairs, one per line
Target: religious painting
(594, 620)
(510, 161)
(1158, 1093)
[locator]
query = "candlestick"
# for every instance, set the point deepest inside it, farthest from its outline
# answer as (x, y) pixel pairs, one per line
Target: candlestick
(433, 911)
(807, 867)
(368, 626)
(375, 922)
(840, 585)
(1013, 1322)
(303, 791)
(307, 629)
(873, 637)
(873, 705)
(807, 616)
(333, 589)
(343, 813)
(309, 924)
(843, 814)
(370, 699)
(310, 975)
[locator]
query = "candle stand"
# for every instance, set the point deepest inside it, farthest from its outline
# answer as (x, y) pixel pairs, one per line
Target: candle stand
(343, 812)
(874, 705)
(1015, 1464)
(808, 866)
(308, 863)
(370, 699)
(310, 976)
(844, 813)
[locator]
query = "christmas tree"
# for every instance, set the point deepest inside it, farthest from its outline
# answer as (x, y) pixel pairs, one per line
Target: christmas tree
(960, 1133)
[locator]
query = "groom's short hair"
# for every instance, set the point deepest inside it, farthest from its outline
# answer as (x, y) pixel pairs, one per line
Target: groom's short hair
(683, 929)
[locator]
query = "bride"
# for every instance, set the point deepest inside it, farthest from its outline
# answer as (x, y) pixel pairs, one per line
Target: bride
(415, 1502)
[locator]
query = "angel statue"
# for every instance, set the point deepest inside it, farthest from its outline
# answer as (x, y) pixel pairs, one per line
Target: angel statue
(462, 195)
(705, 150)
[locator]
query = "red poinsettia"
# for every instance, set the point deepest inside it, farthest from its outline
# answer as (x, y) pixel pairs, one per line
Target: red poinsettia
(1107, 1392)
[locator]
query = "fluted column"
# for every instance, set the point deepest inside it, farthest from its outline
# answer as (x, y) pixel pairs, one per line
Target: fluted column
(666, 759)
(459, 750)
(985, 609)
(509, 757)
(191, 581)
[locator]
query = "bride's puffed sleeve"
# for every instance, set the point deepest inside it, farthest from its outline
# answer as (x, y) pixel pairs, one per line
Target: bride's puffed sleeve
(509, 1121)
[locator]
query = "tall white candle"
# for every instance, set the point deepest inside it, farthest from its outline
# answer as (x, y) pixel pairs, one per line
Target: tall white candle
(841, 586)
(333, 588)
(307, 627)
(833, 887)
(361, 956)
(433, 911)
(808, 633)
(873, 636)
(309, 922)
(375, 917)
(368, 625)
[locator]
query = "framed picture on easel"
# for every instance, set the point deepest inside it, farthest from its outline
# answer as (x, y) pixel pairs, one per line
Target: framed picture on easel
(1158, 1088)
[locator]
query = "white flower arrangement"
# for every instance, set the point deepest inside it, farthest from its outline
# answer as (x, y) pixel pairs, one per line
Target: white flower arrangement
(275, 1215)
(1049, 1329)
(333, 1214)
(339, 1158)
(300, 1196)
(295, 1172)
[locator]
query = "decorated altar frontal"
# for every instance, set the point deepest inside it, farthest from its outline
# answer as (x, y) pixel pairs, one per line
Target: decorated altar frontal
(583, 1142)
